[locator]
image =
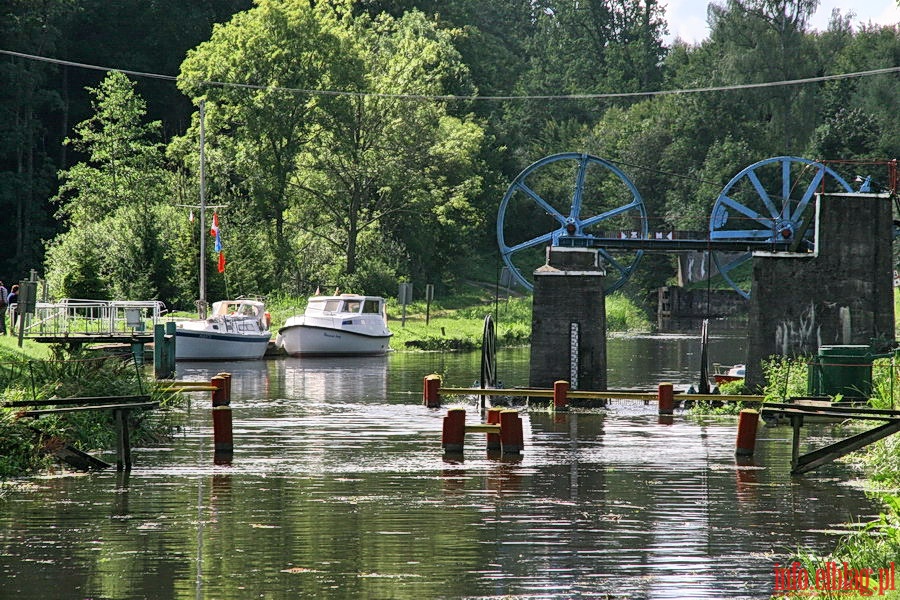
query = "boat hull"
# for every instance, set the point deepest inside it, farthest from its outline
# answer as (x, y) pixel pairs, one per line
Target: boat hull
(205, 345)
(309, 340)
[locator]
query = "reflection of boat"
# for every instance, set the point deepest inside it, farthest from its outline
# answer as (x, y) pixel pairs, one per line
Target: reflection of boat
(236, 330)
(348, 325)
(724, 373)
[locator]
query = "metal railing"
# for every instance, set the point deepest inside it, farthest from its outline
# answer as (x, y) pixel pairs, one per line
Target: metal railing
(73, 316)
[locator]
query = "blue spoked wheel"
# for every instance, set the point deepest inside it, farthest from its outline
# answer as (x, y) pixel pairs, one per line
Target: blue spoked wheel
(571, 197)
(771, 200)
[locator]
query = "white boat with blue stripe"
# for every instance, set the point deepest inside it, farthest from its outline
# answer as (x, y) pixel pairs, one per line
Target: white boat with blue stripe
(343, 325)
(236, 330)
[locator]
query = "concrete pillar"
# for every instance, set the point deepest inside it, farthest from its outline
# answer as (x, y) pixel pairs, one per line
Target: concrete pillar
(568, 325)
(841, 295)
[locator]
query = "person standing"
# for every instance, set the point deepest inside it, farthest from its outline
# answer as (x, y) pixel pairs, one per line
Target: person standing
(4, 298)
(12, 299)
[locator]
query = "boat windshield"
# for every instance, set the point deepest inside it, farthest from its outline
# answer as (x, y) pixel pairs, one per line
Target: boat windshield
(238, 308)
(372, 306)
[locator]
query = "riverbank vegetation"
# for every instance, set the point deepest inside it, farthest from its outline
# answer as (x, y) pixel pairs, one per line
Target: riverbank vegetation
(27, 444)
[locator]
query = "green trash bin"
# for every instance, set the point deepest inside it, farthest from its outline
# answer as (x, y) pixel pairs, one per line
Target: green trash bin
(844, 370)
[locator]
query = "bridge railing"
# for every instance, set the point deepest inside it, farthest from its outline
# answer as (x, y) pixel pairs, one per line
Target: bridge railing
(73, 316)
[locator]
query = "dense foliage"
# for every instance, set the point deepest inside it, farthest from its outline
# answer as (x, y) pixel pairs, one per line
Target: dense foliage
(354, 144)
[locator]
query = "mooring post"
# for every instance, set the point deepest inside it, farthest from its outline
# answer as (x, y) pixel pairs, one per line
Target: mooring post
(227, 378)
(666, 396)
(748, 420)
(160, 367)
(220, 394)
(560, 395)
(431, 395)
(493, 439)
(454, 432)
(169, 348)
(511, 436)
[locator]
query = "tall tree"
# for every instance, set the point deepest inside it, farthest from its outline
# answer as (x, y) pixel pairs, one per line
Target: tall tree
(110, 203)
(261, 119)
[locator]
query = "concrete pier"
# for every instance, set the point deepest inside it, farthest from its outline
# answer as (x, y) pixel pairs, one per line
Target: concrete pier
(841, 294)
(568, 326)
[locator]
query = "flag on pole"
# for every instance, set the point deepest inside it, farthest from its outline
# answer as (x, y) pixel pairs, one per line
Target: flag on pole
(214, 231)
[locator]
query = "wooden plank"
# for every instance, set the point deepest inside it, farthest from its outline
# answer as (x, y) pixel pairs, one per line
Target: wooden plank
(829, 453)
(836, 408)
(831, 414)
(76, 458)
(87, 400)
(483, 428)
(70, 409)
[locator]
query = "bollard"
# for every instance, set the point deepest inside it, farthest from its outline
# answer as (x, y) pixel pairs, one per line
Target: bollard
(511, 436)
(666, 396)
(227, 378)
(431, 395)
(746, 435)
(220, 395)
(222, 434)
(454, 433)
(493, 439)
(560, 392)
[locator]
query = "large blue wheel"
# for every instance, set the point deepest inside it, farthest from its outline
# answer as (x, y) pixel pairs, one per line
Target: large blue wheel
(575, 196)
(771, 200)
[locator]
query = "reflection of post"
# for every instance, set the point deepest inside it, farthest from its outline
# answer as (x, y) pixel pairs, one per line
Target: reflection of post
(747, 480)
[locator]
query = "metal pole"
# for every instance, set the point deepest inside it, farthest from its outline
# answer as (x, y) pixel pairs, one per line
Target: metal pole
(202, 302)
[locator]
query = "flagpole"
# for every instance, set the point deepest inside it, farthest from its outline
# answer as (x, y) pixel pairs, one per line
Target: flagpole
(201, 304)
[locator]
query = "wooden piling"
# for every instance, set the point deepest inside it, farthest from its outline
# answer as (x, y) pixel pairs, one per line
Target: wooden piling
(746, 435)
(560, 395)
(493, 439)
(454, 431)
(431, 394)
(666, 397)
(227, 378)
(220, 394)
(511, 436)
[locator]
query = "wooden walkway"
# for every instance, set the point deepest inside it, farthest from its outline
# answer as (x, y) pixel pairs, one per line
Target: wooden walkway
(798, 411)
(121, 407)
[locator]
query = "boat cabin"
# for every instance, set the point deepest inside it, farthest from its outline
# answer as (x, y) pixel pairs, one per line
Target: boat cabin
(346, 304)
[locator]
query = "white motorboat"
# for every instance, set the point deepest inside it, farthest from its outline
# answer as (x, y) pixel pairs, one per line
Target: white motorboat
(236, 330)
(344, 325)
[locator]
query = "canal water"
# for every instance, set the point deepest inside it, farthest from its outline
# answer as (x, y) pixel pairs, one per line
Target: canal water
(338, 488)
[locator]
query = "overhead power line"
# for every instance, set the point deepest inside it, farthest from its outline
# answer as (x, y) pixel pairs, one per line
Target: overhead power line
(453, 97)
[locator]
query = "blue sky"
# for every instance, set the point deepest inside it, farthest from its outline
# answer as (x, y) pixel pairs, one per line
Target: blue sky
(687, 18)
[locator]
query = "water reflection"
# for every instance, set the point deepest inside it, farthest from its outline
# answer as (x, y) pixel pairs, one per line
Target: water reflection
(338, 488)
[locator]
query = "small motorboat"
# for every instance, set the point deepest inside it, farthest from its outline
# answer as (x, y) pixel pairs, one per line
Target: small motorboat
(723, 373)
(236, 330)
(344, 325)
